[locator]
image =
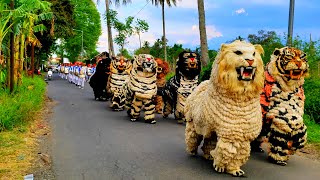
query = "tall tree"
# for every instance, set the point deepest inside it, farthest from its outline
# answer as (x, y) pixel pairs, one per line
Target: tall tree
(162, 3)
(126, 29)
(86, 31)
(110, 38)
(203, 33)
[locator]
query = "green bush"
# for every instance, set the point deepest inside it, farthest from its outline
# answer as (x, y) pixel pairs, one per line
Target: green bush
(312, 103)
(313, 129)
(18, 108)
(206, 72)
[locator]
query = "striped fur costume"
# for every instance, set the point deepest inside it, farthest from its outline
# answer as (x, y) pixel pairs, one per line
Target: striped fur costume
(120, 69)
(282, 102)
(142, 88)
(180, 86)
(226, 108)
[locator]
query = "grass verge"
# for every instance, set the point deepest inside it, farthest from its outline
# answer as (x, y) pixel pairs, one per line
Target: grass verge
(18, 108)
(18, 136)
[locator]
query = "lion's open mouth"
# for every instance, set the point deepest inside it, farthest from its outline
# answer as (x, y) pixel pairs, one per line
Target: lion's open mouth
(121, 67)
(246, 73)
(294, 74)
(192, 65)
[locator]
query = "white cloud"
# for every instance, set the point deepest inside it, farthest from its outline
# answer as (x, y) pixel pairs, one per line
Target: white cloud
(240, 11)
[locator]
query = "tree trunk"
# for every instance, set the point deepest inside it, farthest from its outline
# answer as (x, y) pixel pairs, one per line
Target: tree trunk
(139, 39)
(110, 39)
(164, 33)
(11, 70)
(32, 59)
(17, 75)
(203, 34)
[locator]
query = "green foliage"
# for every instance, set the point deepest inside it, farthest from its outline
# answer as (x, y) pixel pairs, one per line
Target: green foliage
(206, 72)
(269, 40)
(87, 20)
(3, 77)
(125, 29)
(313, 129)
(312, 103)
(141, 26)
(125, 53)
(169, 75)
(16, 109)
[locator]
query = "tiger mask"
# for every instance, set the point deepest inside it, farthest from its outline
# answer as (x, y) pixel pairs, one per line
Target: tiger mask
(188, 64)
(145, 65)
(120, 65)
(289, 66)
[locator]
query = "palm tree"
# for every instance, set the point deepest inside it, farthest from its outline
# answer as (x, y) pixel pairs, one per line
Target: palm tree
(169, 3)
(203, 33)
(110, 38)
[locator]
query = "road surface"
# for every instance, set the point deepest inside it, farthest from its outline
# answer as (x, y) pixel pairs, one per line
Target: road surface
(92, 142)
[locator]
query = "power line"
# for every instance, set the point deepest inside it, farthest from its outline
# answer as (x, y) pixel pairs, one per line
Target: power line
(142, 8)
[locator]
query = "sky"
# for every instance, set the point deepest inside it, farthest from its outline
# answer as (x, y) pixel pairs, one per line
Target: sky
(225, 20)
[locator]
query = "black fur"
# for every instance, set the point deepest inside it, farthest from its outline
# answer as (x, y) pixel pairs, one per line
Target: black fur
(99, 79)
(169, 92)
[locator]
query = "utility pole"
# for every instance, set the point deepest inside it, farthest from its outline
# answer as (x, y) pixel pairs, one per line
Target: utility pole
(11, 73)
(290, 27)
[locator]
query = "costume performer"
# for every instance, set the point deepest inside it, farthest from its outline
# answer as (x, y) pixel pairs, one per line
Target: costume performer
(120, 69)
(226, 108)
(180, 86)
(99, 79)
(282, 103)
(162, 70)
(142, 88)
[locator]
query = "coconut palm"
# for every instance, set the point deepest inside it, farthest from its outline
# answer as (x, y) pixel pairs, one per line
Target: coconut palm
(110, 38)
(169, 3)
(203, 33)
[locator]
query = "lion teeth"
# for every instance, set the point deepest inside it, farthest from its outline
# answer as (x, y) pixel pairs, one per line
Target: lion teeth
(241, 71)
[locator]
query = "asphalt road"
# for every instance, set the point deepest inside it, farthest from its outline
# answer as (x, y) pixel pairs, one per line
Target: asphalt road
(92, 142)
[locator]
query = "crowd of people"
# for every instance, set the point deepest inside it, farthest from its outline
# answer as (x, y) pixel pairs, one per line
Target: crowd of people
(76, 73)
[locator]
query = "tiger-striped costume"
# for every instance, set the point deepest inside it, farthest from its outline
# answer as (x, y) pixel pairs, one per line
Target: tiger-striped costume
(282, 103)
(180, 86)
(120, 69)
(142, 88)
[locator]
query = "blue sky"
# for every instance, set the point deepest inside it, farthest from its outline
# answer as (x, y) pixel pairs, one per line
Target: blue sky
(225, 20)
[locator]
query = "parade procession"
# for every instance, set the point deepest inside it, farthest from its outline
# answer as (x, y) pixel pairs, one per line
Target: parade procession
(159, 89)
(242, 104)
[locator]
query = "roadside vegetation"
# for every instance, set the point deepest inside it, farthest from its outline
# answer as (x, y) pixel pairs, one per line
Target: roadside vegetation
(18, 114)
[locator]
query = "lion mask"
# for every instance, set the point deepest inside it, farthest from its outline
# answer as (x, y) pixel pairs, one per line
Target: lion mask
(238, 69)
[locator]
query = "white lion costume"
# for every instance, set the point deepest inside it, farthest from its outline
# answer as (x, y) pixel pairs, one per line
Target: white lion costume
(226, 108)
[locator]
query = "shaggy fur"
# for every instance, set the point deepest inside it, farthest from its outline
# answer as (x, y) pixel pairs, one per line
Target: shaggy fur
(162, 70)
(282, 102)
(227, 106)
(142, 88)
(120, 69)
(99, 79)
(180, 86)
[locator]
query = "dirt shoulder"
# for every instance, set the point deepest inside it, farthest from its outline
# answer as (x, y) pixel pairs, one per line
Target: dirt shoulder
(42, 162)
(311, 151)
